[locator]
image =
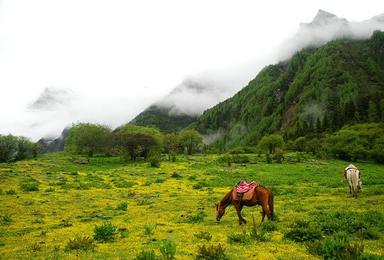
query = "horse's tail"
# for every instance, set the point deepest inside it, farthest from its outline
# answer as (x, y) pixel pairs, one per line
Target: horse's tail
(355, 182)
(270, 204)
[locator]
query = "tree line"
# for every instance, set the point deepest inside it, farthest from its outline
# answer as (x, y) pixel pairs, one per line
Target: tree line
(130, 141)
(14, 148)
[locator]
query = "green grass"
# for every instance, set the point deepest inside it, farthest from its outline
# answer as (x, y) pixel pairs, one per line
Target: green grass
(310, 195)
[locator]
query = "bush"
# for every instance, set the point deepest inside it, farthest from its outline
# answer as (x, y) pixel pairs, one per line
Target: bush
(337, 247)
(278, 156)
(29, 186)
(149, 229)
(203, 235)
(226, 158)
(122, 206)
(301, 234)
(349, 222)
(258, 234)
(6, 219)
(196, 218)
(146, 255)
(105, 232)
(377, 153)
(84, 243)
(155, 160)
(237, 158)
(268, 158)
(176, 175)
(10, 192)
(211, 252)
(268, 226)
(168, 250)
(241, 238)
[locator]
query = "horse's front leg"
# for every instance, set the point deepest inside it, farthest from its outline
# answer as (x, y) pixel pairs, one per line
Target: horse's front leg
(238, 208)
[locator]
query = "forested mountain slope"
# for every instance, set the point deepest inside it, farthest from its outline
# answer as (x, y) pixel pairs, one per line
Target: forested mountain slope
(161, 118)
(317, 90)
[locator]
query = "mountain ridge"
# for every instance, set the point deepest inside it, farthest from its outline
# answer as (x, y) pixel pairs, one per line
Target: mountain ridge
(324, 87)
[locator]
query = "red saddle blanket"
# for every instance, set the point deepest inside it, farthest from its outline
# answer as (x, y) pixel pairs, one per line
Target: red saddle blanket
(243, 187)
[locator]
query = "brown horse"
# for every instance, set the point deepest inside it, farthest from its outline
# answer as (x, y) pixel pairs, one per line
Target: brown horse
(261, 196)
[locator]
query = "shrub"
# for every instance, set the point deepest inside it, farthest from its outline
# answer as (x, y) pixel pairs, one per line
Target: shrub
(367, 234)
(337, 247)
(301, 234)
(226, 158)
(35, 247)
(10, 192)
(203, 235)
(278, 156)
(84, 243)
(168, 250)
(377, 153)
(241, 238)
(122, 206)
(176, 175)
(198, 186)
(29, 186)
(268, 158)
(237, 158)
(159, 180)
(258, 234)
(196, 218)
(146, 255)
(38, 220)
(105, 232)
(211, 252)
(155, 160)
(268, 226)
(6, 219)
(149, 229)
(301, 224)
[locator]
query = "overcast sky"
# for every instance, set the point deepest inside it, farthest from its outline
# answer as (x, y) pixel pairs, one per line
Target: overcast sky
(120, 56)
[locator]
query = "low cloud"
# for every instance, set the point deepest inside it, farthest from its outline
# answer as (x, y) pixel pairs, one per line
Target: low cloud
(52, 98)
(326, 27)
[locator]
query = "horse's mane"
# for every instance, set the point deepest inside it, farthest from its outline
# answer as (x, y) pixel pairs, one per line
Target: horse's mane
(227, 198)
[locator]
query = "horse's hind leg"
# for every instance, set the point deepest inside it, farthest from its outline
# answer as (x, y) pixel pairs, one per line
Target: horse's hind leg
(266, 211)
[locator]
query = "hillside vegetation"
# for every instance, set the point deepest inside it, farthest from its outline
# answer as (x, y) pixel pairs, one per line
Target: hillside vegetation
(162, 118)
(318, 90)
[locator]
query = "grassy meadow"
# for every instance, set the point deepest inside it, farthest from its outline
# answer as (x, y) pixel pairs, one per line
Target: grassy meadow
(48, 201)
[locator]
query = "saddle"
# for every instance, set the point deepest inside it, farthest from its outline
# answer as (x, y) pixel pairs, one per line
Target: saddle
(244, 190)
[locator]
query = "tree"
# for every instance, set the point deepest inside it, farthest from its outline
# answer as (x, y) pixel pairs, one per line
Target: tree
(137, 141)
(190, 139)
(86, 138)
(299, 144)
(25, 148)
(271, 142)
(382, 109)
(377, 46)
(8, 148)
(171, 144)
(373, 115)
(13, 148)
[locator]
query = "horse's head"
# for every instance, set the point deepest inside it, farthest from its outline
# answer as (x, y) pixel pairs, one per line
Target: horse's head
(220, 210)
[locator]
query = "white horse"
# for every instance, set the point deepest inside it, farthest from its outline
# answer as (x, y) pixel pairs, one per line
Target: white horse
(352, 175)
